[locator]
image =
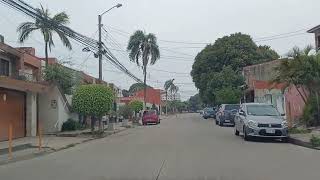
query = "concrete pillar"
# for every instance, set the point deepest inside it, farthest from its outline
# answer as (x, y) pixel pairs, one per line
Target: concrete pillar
(31, 114)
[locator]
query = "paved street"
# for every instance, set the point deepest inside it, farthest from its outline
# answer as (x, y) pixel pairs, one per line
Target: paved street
(186, 147)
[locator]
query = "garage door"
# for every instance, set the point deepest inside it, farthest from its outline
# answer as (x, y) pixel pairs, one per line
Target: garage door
(12, 110)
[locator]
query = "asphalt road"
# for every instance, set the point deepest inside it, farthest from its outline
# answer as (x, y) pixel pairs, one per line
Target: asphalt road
(186, 147)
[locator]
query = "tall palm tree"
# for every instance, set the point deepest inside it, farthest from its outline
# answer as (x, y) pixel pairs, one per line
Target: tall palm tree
(143, 47)
(46, 28)
(167, 85)
(173, 90)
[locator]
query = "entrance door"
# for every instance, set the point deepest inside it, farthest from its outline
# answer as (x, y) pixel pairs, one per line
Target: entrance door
(12, 110)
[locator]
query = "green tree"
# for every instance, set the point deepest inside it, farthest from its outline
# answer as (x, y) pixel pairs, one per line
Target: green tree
(93, 100)
(168, 85)
(125, 111)
(46, 28)
(302, 70)
(195, 102)
(227, 95)
(136, 106)
(136, 87)
(63, 76)
(233, 52)
(145, 47)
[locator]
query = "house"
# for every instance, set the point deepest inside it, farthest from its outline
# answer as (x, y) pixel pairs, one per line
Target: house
(153, 98)
(286, 99)
(316, 32)
(170, 96)
(20, 88)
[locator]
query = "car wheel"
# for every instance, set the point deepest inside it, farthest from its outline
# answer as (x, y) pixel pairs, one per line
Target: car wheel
(236, 132)
(285, 140)
(245, 135)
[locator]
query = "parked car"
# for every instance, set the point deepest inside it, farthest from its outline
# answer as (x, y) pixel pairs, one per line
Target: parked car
(226, 114)
(150, 116)
(208, 113)
(260, 120)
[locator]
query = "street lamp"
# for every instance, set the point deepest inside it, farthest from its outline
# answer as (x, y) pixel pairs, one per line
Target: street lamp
(100, 42)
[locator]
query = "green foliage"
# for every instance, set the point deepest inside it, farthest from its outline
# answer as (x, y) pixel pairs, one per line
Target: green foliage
(125, 93)
(92, 100)
(315, 141)
(70, 125)
(303, 70)
(47, 29)
(136, 105)
(136, 87)
(228, 95)
(219, 65)
(143, 47)
(195, 103)
(125, 111)
(64, 77)
(299, 131)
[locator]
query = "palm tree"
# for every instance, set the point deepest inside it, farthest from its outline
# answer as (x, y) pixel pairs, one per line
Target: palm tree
(47, 26)
(143, 47)
(173, 90)
(167, 85)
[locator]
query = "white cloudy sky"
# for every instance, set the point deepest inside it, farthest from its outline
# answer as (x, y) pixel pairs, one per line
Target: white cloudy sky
(190, 21)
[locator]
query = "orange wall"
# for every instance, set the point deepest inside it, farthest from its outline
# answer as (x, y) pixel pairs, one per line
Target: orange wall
(153, 96)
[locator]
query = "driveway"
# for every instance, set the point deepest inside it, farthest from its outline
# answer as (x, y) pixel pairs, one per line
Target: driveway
(186, 147)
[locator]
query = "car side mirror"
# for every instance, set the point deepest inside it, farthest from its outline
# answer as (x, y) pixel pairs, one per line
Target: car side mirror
(283, 114)
(242, 113)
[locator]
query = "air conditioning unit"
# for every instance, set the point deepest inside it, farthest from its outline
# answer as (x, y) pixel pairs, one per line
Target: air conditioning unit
(1, 39)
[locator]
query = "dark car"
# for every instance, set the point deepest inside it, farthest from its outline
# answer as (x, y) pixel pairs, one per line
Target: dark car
(226, 114)
(208, 113)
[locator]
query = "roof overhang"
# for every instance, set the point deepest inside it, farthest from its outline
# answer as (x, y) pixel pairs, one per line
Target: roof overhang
(21, 85)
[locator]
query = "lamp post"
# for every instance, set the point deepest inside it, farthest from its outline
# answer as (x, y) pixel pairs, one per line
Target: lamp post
(100, 42)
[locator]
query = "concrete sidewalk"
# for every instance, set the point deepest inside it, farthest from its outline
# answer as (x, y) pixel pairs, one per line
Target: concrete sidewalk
(28, 147)
(303, 139)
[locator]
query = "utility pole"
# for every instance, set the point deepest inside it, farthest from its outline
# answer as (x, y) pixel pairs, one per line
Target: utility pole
(100, 49)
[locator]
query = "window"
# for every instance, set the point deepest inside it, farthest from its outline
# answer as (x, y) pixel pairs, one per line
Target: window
(4, 67)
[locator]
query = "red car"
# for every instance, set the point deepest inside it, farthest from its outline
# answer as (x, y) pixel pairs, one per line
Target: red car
(150, 116)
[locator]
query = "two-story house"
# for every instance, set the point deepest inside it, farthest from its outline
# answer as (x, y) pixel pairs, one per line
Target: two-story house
(19, 91)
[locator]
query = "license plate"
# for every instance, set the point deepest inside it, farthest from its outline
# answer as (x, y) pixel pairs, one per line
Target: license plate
(270, 131)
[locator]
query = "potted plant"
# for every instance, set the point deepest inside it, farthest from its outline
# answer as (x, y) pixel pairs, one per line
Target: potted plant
(126, 112)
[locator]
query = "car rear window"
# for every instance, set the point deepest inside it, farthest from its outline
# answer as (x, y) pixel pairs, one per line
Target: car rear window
(232, 106)
(149, 112)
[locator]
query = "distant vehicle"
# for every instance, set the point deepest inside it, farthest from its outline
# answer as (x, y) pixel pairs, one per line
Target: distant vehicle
(150, 117)
(260, 120)
(226, 114)
(208, 113)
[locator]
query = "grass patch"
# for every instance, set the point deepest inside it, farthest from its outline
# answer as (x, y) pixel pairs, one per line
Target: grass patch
(299, 131)
(315, 141)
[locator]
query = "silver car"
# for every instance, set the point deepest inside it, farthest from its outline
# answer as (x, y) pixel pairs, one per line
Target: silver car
(260, 120)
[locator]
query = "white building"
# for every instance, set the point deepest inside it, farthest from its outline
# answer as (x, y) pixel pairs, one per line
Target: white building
(171, 97)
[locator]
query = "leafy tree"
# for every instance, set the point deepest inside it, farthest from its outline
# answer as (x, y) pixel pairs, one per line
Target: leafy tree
(136, 87)
(229, 53)
(125, 93)
(63, 76)
(195, 102)
(93, 100)
(136, 106)
(46, 28)
(303, 72)
(227, 95)
(143, 46)
(125, 111)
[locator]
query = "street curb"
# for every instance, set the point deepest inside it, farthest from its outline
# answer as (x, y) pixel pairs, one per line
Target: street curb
(302, 143)
(48, 150)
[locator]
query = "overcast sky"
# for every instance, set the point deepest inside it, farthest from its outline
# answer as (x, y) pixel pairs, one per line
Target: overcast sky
(190, 22)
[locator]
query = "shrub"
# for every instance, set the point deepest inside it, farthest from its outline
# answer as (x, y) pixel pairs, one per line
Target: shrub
(125, 111)
(315, 141)
(70, 125)
(136, 105)
(298, 131)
